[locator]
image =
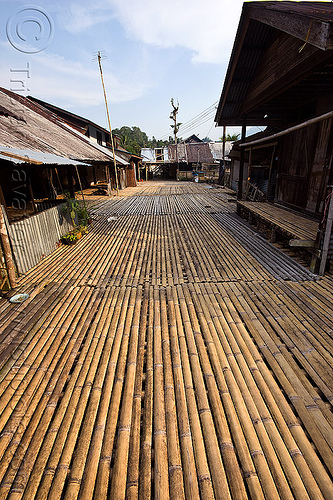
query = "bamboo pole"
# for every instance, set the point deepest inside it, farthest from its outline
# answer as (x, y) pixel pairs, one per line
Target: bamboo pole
(7, 251)
(161, 479)
(145, 487)
(133, 474)
(119, 478)
(110, 128)
(73, 409)
(221, 488)
(290, 419)
(200, 452)
(175, 464)
(46, 437)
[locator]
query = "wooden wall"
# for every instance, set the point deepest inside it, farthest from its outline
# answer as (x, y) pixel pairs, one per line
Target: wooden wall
(280, 67)
(304, 167)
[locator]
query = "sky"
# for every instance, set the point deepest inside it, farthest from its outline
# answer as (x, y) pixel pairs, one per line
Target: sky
(153, 50)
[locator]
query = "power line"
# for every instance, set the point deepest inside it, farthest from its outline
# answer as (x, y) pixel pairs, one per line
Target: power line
(196, 124)
(196, 121)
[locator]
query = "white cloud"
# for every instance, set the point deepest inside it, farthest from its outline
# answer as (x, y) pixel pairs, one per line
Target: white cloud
(56, 79)
(205, 28)
(77, 17)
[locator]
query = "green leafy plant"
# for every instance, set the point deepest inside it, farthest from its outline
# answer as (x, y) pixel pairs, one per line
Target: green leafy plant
(69, 238)
(71, 207)
(83, 229)
(77, 211)
(83, 215)
(80, 217)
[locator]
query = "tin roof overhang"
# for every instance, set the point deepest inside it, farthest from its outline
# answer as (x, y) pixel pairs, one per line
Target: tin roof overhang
(17, 156)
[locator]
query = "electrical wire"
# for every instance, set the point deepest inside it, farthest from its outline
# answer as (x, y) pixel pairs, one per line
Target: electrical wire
(198, 120)
(197, 124)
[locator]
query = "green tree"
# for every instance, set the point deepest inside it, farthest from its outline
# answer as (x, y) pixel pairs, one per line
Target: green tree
(133, 139)
(231, 138)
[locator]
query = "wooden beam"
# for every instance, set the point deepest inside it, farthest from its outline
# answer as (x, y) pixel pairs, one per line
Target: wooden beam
(241, 164)
(317, 119)
(310, 30)
(26, 159)
(302, 243)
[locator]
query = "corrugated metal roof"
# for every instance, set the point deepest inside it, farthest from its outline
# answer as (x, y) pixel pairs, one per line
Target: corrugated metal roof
(191, 153)
(16, 155)
(23, 125)
(100, 148)
(148, 155)
(217, 149)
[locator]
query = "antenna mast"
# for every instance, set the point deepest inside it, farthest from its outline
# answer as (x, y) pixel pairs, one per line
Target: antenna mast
(99, 58)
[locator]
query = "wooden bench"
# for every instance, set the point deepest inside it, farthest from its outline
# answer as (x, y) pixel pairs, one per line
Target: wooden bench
(300, 230)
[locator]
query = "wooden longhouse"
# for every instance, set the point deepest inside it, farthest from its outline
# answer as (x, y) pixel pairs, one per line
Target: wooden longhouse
(280, 76)
(128, 172)
(40, 157)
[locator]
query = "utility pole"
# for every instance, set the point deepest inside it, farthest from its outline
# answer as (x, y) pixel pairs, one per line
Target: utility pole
(175, 126)
(99, 58)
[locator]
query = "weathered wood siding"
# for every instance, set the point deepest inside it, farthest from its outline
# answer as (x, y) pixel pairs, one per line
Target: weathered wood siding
(34, 238)
(130, 176)
(281, 64)
(304, 167)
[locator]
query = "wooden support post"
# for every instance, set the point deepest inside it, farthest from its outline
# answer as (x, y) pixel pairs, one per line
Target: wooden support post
(34, 206)
(7, 251)
(242, 161)
(108, 179)
(327, 238)
(315, 252)
(273, 234)
(2, 199)
(70, 182)
(58, 177)
(270, 172)
(80, 183)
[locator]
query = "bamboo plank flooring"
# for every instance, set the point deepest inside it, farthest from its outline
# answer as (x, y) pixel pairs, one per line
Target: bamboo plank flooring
(289, 222)
(167, 355)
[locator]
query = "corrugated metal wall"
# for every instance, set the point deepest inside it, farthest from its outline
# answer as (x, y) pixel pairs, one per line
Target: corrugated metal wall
(34, 238)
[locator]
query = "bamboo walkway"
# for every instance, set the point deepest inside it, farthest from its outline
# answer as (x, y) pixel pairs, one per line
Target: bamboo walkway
(167, 355)
(286, 221)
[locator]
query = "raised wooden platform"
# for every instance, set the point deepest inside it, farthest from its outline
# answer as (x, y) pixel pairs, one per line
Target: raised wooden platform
(300, 230)
(165, 356)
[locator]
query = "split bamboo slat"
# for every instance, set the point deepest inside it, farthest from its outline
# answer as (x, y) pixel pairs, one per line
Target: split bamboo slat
(287, 221)
(172, 353)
